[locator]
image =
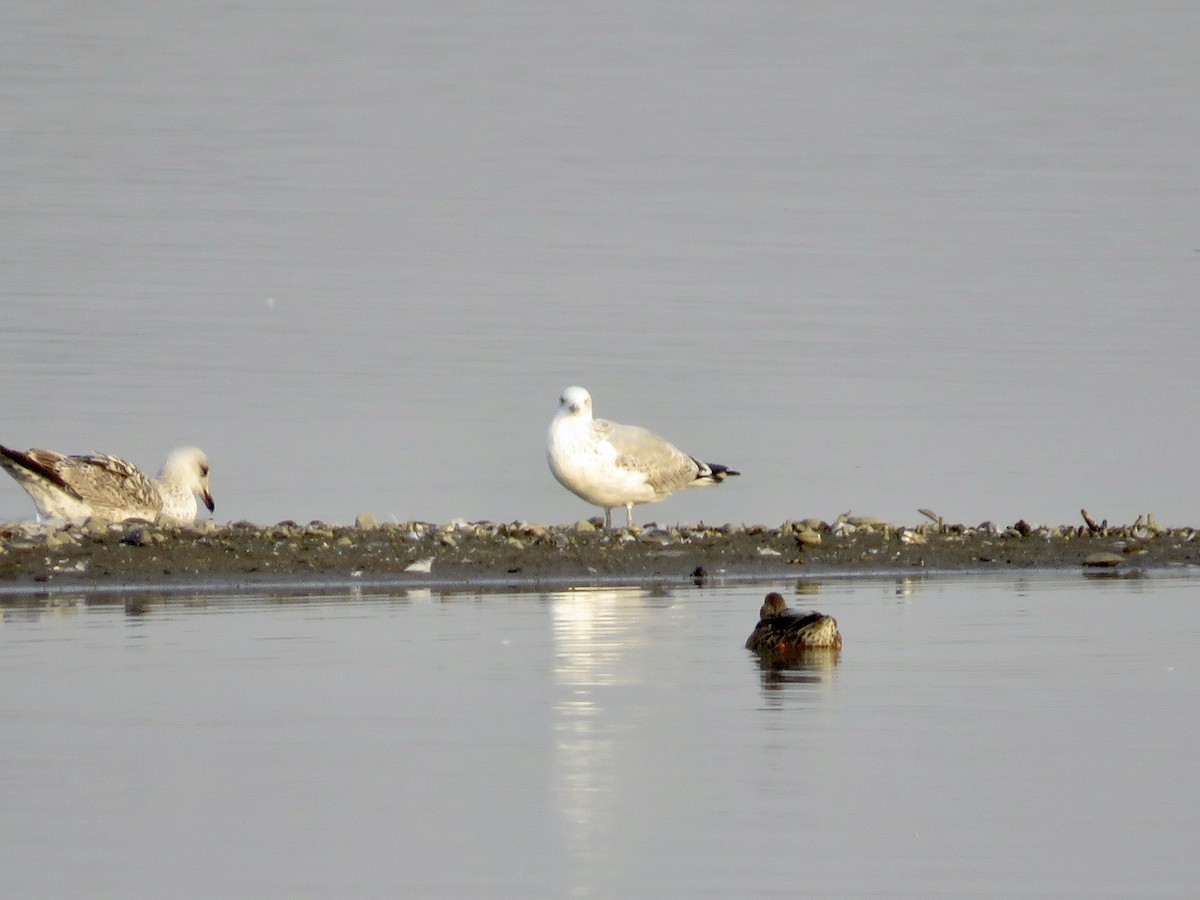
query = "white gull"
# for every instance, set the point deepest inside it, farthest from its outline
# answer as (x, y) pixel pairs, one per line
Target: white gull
(108, 488)
(614, 465)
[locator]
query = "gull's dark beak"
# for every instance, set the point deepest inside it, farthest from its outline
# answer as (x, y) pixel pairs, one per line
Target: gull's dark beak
(208, 501)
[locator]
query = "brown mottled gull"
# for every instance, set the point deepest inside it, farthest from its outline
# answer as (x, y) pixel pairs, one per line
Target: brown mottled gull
(95, 485)
(614, 465)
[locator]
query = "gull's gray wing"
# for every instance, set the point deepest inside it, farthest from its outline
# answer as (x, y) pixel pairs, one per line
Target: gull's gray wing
(665, 467)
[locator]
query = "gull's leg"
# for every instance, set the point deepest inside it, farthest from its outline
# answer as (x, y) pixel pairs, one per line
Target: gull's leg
(628, 515)
(607, 518)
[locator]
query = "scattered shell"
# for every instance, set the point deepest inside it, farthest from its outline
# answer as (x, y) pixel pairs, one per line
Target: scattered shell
(931, 515)
(242, 547)
(57, 539)
(808, 538)
(867, 521)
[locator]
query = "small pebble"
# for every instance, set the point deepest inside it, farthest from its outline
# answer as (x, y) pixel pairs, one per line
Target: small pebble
(136, 537)
(56, 539)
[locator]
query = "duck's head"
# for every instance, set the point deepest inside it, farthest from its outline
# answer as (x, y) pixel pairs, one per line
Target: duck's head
(773, 605)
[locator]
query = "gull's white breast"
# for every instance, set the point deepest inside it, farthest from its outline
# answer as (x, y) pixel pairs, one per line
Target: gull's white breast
(587, 464)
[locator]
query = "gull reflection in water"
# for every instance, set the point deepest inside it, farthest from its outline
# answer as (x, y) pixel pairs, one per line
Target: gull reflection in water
(596, 632)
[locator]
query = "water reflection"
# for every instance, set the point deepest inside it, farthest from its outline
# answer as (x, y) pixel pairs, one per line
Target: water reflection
(1114, 574)
(805, 667)
(62, 606)
(593, 734)
(33, 609)
(807, 587)
(908, 587)
(596, 635)
(141, 604)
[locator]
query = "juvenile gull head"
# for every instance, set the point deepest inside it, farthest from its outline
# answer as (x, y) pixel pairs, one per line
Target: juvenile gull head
(108, 488)
(182, 477)
(613, 465)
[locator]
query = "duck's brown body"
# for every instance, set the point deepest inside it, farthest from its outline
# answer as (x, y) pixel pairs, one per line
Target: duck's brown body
(783, 630)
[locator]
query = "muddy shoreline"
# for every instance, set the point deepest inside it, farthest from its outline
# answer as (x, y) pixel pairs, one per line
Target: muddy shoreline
(36, 558)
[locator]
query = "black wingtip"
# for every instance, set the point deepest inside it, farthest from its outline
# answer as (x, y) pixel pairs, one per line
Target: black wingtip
(27, 462)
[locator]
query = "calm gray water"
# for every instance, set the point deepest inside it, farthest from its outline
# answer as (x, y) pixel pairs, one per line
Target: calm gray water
(875, 256)
(1019, 737)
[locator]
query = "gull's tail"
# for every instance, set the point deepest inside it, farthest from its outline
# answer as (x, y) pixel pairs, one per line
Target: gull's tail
(27, 470)
(711, 473)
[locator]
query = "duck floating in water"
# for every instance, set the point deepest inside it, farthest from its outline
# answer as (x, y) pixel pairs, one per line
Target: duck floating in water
(782, 630)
